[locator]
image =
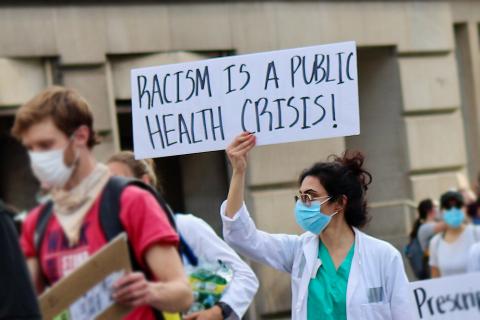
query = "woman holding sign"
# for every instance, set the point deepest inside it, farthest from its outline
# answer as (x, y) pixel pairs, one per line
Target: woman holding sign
(337, 271)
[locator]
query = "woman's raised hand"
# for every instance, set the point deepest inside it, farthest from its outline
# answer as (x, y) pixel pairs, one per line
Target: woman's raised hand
(238, 150)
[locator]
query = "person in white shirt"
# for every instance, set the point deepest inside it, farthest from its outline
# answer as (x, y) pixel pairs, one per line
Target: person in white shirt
(337, 271)
(449, 250)
(204, 243)
(474, 258)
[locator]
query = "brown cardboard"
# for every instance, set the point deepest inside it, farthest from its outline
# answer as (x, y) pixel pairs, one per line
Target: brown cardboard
(111, 258)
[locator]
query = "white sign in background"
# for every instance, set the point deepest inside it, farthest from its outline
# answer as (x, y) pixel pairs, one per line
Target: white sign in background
(281, 96)
(448, 298)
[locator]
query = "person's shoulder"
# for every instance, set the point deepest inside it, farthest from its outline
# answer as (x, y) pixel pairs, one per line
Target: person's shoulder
(427, 227)
(187, 218)
(135, 192)
(34, 214)
(474, 227)
(476, 248)
(134, 195)
(189, 222)
(376, 245)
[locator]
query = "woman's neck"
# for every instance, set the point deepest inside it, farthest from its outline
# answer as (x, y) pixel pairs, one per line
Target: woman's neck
(338, 235)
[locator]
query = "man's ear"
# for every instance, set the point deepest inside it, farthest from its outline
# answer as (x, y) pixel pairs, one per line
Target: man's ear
(81, 136)
(145, 178)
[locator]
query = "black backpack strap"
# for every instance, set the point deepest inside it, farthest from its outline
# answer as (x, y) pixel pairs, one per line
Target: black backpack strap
(43, 218)
(110, 204)
(161, 201)
(40, 228)
(187, 251)
(110, 215)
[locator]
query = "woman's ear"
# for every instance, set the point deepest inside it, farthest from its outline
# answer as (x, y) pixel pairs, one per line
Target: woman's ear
(342, 203)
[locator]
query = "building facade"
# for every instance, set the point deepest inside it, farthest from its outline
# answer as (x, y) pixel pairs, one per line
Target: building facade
(419, 85)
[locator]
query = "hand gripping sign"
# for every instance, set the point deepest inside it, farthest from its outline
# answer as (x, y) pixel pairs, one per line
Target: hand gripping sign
(281, 96)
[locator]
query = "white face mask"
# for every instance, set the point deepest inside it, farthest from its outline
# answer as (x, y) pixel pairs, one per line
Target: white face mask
(49, 167)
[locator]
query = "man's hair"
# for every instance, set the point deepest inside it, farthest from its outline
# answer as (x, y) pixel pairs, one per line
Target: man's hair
(66, 107)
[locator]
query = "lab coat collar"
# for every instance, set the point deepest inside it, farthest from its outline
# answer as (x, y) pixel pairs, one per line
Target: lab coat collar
(312, 262)
(310, 254)
(356, 267)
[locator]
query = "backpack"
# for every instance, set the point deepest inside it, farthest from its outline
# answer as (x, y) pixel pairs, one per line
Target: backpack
(418, 259)
(109, 214)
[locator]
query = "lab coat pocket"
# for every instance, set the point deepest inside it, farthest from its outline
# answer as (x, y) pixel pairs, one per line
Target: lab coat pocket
(376, 311)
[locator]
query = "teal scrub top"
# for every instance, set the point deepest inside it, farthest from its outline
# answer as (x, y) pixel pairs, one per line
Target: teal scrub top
(327, 292)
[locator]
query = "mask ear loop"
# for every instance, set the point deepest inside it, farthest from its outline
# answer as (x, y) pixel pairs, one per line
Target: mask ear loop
(340, 210)
(325, 201)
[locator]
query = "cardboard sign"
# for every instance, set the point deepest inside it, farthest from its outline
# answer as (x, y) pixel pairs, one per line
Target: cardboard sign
(281, 96)
(448, 298)
(86, 292)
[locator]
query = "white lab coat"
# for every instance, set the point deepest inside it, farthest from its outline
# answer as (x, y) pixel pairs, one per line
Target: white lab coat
(209, 247)
(377, 286)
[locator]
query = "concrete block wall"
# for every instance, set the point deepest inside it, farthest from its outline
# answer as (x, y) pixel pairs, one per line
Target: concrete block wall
(466, 16)
(20, 79)
(433, 117)
(429, 83)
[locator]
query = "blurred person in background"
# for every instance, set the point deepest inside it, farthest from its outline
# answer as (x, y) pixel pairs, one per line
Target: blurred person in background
(429, 223)
(17, 297)
(449, 250)
(473, 209)
(474, 258)
(56, 127)
(425, 227)
(204, 243)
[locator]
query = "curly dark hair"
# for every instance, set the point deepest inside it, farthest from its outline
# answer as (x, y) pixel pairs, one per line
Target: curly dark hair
(344, 176)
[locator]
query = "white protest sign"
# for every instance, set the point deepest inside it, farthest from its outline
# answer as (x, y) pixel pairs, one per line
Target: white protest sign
(448, 298)
(281, 96)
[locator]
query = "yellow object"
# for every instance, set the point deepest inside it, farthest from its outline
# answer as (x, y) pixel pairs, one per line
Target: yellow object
(211, 287)
(171, 316)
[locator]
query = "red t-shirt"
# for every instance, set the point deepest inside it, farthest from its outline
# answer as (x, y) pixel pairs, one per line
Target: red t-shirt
(142, 218)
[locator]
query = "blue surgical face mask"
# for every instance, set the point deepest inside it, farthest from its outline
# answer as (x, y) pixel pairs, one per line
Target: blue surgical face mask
(311, 218)
(453, 217)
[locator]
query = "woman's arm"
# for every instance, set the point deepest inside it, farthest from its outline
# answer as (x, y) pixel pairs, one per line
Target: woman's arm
(239, 230)
(237, 153)
(434, 272)
(440, 226)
